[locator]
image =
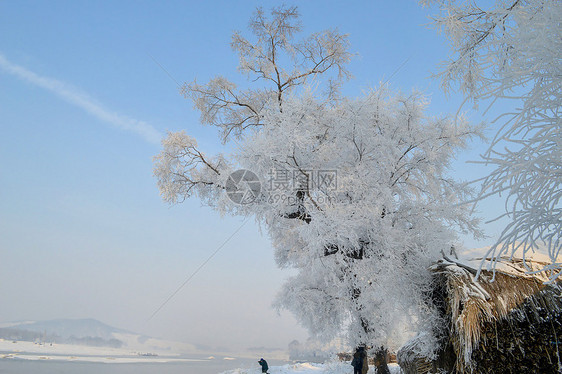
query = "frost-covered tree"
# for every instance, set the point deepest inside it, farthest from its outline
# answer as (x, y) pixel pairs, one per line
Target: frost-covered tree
(512, 51)
(276, 59)
(354, 193)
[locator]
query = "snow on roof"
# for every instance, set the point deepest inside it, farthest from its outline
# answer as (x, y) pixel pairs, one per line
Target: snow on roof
(517, 263)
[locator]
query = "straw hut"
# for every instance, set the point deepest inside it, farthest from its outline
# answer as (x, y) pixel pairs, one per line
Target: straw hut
(507, 323)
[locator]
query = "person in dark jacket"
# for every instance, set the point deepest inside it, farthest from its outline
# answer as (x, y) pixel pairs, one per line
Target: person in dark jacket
(263, 364)
(358, 361)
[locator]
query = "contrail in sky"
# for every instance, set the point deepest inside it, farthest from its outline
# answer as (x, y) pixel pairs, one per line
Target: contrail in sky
(82, 100)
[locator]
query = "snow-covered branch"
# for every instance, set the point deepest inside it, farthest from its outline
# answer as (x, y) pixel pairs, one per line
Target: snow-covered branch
(181, 169)
(512, 51)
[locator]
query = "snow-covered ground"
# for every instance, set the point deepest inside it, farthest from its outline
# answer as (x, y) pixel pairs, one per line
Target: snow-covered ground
(308, 368)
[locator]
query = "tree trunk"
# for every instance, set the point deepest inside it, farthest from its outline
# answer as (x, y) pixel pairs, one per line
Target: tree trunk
(381, 356)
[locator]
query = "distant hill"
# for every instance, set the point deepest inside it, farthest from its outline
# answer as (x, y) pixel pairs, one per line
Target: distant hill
(88, 332)
(66, 328)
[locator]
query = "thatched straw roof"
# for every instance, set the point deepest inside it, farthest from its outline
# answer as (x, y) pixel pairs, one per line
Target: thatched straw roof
(511, 295)
(492, 297)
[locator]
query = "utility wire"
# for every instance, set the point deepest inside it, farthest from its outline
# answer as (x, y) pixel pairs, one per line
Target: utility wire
(164, 69)
(397, 70)
(198, 269)
(218, 249)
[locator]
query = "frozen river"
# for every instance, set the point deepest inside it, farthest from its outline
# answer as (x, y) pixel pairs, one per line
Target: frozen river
(19, 366)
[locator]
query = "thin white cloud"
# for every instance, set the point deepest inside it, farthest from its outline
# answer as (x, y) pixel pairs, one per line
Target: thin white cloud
(82, 100)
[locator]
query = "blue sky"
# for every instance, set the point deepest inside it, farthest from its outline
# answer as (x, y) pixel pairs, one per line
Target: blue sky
(85, 90)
